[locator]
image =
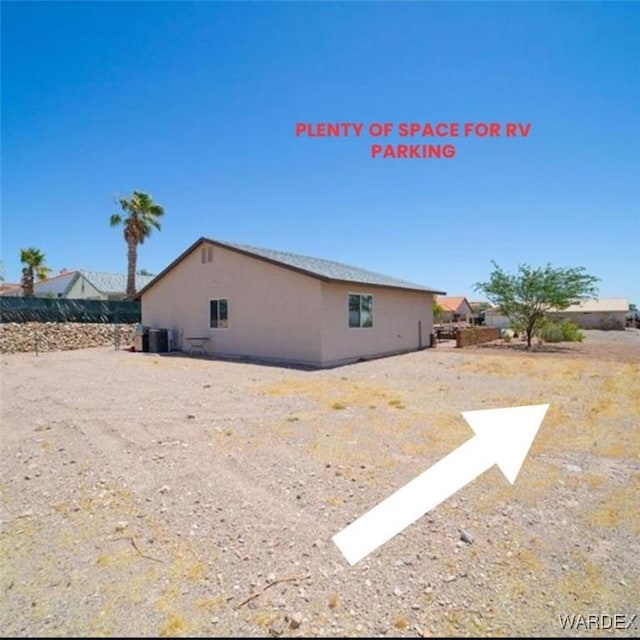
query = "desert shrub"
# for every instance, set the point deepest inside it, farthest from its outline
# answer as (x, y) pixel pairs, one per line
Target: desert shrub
(565, 331)
(571, 332)
(551, 332)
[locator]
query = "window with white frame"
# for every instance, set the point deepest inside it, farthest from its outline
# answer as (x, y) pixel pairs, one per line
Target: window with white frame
(360, 311)
(219, 313)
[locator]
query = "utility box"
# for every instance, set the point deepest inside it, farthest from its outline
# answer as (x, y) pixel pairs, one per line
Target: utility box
(141, 339)
(158, 341)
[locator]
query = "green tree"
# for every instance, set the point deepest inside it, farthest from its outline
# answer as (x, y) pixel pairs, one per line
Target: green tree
(140, 215)
(438, 309)
(33, 260)
(144, 272)
(479, 307)
(526, 297)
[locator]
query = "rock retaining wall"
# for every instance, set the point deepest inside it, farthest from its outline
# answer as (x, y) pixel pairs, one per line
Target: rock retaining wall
(61, 336)
(476, 335)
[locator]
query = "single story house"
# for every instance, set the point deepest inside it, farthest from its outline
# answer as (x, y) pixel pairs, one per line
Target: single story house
(87, 285)
(605, 313)
(272, 305)
(455, 309)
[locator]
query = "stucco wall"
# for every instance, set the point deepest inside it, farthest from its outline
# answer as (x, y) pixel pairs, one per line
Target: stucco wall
(593, 319)
(274, 313)
(396, 318)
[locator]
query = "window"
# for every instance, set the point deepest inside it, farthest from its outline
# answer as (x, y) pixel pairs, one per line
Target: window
(206, 254)
(360, 310)
(219, 313)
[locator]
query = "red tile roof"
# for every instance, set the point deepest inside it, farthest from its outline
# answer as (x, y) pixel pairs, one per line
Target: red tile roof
(451, 303)
(9, 286)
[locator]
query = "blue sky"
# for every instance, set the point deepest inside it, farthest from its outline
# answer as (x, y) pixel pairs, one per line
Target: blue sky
(196, 104)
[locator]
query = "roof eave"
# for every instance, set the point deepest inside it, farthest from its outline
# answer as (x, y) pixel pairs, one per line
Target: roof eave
(398, 287)
(250, 254)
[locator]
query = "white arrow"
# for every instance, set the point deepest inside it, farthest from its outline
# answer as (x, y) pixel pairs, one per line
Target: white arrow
(502, 437)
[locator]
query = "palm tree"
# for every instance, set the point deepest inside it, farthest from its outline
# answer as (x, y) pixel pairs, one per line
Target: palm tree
(33, 261)
(141, 216)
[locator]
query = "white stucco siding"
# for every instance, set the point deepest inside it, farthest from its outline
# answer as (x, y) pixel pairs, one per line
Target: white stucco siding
(496, 320)
(274, 312)
(399, 317)
(82, 288)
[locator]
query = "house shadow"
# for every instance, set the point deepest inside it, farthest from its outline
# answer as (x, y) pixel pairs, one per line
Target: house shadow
(208, 357)
(521, 347)
(265, 362)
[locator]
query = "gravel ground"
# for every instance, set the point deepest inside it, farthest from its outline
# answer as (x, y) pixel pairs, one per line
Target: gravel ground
(146, 495)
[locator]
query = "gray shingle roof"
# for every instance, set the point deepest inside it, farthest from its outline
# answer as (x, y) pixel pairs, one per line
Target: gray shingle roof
(315, 267)
(327, 268)
(113, 282)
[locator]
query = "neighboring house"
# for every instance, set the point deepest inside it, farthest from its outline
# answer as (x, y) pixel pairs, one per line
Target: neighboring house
(87, 285)
(67, 284)
(479, 307)
(11, 290)
(455, 309)
(271, 305)
(605, 313)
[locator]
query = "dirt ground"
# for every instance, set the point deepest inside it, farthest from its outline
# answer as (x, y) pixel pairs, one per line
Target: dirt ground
(160, 495)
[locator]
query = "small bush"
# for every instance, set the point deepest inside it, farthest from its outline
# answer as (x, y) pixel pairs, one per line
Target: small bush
(564, 331)
(551, 332)
(571, 332)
